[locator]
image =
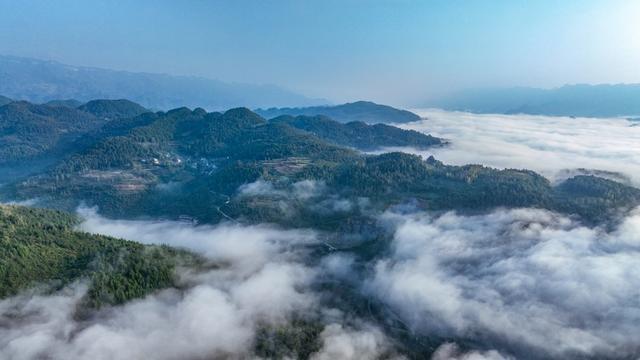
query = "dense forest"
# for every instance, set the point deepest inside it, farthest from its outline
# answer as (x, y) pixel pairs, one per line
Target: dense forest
(122, 167)
(358, 134)
(42, 247)
(361, 111)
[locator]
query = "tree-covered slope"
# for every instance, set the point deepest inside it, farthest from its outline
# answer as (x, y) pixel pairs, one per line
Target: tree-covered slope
(39, 246)
(358, 134)
(71, 103)
(28, 131)
(196, 161)
(444, 187)
(126, 165)
(113, 109)
(4, 100)
(363, 111)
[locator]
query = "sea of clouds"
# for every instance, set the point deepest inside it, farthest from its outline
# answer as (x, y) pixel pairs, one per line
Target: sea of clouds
(525, 281)
(547, 144)
(259, 280)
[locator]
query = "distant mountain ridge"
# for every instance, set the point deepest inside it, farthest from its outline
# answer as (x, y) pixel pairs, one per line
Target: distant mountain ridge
(569, 100)
(71, 103)
(4, 100)
(363, 111)
(41, 81)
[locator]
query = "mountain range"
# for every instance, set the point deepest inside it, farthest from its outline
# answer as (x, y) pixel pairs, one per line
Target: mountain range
(569, 100)
(122, 158)
(232, 171)
(42, 81)
(33, 136)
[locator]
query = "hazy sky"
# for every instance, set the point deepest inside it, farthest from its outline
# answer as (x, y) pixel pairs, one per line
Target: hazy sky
(393, 51)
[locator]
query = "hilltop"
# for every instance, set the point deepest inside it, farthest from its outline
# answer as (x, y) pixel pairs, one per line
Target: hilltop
(358, 134)
(32, 131)
(40, 246)
(360, 111)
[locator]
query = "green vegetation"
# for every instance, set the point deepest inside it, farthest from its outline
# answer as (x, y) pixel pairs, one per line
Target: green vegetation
(297, 339)
(358, 134)
(41, 246)
(4, 100)
(201, 166)
(362, 111)
(395, 176)
(122, 168)
(70, 103)
(28, 131)
(594, 197)
(113, 109)
(47, 132)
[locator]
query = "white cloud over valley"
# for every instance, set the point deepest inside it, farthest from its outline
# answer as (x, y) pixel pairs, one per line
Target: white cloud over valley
(545, 144)
(527, 280)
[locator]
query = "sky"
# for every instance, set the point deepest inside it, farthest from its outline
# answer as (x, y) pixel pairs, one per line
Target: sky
(395, 51)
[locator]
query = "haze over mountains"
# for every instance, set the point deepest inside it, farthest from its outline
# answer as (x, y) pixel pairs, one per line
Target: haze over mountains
(569, 100)
(41, 81)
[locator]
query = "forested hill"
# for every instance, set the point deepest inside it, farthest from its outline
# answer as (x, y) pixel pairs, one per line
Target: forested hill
(41, 247)
(358, 134)
(70, 103)
(113, 109)
(28, 130)
(41, 132)
(363, 111)
(4, 100)
(199, 162)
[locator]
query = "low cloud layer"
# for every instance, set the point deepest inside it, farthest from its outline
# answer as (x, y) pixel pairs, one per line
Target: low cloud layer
(519, 283)
(348, 344)
(451, 351)
(545, 144)
(261, 281)
(527, 281)
(508, 284)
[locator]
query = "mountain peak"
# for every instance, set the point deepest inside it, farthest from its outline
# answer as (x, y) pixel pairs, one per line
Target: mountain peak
(364, 111)
(113, 109)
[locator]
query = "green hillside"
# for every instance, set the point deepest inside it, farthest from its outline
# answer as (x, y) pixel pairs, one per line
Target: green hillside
(359, 135)
(39, 246)
(362, 111)
(196, 161)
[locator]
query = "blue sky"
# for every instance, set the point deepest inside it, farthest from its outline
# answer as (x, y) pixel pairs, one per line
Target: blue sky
(395, 51)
